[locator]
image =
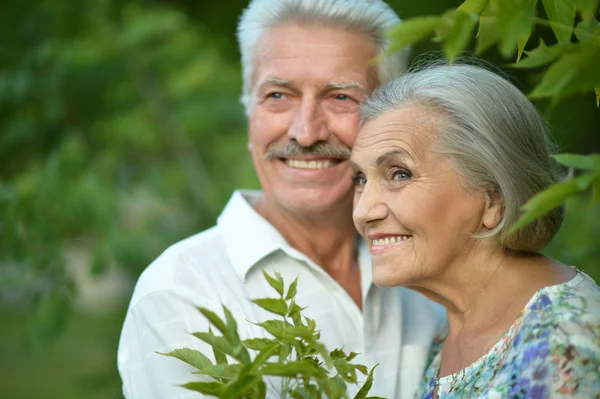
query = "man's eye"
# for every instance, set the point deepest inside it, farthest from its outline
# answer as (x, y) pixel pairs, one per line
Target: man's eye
(342, 97)
(276, 95)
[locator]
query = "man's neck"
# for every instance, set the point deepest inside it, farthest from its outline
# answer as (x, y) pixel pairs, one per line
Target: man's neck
(328, 239)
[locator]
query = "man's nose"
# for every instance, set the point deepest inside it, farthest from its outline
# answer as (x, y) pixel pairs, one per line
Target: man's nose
(369, 206)
(310, 124)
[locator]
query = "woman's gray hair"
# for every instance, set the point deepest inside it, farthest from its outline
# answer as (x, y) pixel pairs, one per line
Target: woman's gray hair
(493, 135)
(370, 17)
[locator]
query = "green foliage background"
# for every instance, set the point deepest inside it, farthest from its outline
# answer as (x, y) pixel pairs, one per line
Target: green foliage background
(121, 133)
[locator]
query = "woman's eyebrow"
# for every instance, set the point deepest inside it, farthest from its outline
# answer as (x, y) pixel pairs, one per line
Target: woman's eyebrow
(391, 154)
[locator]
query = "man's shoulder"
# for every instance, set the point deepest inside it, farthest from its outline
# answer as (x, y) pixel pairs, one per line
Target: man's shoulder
(192, 263)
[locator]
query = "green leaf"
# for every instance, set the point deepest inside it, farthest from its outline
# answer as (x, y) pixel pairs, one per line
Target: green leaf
(411, 31)
(521, 43)
(232, 333)
(544, 202)
(583, 162)
(488, 32)
(221, 371)
(277, 306)
(543, 55)
(362, 393)
(276, 283)
(575, 72)
(515, 18)
(215, 320)
(190, 356)
(585, 180)
(588, 31)
(258, 343)
(293, 369)
(473, 6)
(206, 388)
(239, 386)
(596, 191)
(455, 31)
(561, 14)
(220, 345)
(282, 330)
(260, 391)
(587, 8)
(264, 355)
(291, 294)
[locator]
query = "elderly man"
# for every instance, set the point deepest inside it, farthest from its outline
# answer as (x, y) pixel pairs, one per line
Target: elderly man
(307, 67)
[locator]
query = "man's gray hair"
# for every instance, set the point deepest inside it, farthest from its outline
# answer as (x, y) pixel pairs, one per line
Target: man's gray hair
(369, 17)
(493, 135)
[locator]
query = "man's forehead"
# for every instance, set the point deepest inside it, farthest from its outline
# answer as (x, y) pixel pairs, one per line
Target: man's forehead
(332, 84)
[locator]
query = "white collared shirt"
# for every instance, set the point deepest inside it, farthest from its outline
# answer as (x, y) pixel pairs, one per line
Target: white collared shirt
(223, 265)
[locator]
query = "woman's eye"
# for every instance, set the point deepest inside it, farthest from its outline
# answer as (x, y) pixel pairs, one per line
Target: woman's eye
(402, 175)
(359, 180)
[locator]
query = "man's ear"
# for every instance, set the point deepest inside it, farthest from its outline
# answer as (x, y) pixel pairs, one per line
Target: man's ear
(494, 209)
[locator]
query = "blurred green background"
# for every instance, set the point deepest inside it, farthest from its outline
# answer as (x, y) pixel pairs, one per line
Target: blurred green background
(120, 134)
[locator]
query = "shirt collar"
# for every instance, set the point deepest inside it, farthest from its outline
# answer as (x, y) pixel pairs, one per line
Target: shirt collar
(249, 238)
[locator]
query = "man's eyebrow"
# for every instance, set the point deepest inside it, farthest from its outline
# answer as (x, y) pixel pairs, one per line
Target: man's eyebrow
(390, 154)
(271, 80)
(346, 85)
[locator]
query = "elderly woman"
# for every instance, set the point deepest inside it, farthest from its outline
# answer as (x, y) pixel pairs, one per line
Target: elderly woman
(443, 161)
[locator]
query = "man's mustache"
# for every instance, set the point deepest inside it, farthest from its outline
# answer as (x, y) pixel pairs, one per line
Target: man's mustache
(292, 148)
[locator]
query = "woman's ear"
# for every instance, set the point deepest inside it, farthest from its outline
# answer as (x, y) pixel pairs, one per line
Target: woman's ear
(494, 209)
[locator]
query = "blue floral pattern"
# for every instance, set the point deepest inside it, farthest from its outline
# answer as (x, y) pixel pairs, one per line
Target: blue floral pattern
(552, 350)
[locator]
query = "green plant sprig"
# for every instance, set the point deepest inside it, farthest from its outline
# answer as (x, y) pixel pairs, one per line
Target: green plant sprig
(306, 368)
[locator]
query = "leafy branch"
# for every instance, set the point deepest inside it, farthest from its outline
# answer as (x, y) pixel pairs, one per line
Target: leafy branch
(306, 368)
(571, 66)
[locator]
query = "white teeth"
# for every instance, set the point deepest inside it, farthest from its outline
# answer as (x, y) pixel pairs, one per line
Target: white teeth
(389, 240)
(297, 163)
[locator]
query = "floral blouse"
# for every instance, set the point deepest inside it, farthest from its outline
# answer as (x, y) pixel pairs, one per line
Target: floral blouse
(552, 350)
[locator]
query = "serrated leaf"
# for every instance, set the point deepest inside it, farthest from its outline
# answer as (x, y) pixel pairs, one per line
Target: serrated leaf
(574, 72)
(521, 46)
(277, 306)
(190, 356)
(284, 330)
(588, 31)
(585, 180)
(577, 161)
(284, 351)
(337, 354)
(221, 371)
(515, 18)
(411, 31)
(264, 355)
(214, 320)
(221, 346)
(596, 192)
(455, 32)
(587, 8)
(293, 369)
(292, 290)
(231, 326)
(276, 283)
(260, 391)
(362, 368)
(258, 343)
(544, 202)
(543, 55)
(473, 6)
(206, 388)
(239, 386)
(364, 390)
(561, 14)
(488, 33)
